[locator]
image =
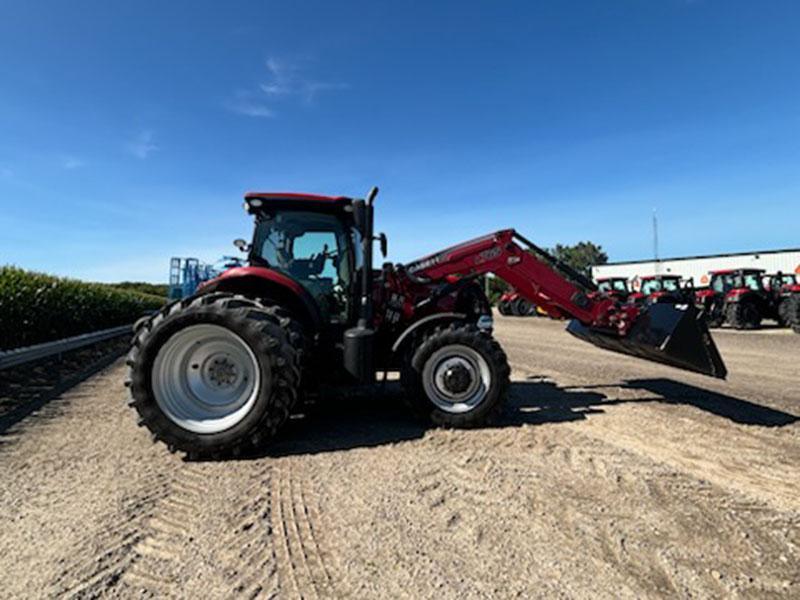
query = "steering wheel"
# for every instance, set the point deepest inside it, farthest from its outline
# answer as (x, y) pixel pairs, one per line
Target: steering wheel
(317, 261)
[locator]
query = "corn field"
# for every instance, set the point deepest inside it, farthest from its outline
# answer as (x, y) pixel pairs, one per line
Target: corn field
(36, 308)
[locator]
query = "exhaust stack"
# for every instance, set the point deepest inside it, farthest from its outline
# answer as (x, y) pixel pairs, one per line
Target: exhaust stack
(671, 334)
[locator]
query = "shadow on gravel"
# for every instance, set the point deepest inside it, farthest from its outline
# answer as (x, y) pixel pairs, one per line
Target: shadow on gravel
(347, 422)
(379, 418)
(735, 409)
(369, 420)
(670, 391)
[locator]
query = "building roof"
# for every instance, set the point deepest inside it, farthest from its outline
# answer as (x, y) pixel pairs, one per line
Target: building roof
(660, 260)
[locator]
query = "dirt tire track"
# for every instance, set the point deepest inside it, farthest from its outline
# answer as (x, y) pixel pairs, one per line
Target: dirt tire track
(300, 559)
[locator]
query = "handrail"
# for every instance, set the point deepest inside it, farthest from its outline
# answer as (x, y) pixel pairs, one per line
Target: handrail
(19, 356)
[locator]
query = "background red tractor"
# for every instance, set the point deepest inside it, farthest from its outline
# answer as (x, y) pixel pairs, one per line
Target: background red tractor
(219, 372)
(785, 291)
(736, 297)
(515, 304)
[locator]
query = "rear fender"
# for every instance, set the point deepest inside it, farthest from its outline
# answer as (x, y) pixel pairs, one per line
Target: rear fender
(260, 282)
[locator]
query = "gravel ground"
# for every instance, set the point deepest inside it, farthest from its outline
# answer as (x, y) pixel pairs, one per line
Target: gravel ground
(609, 477)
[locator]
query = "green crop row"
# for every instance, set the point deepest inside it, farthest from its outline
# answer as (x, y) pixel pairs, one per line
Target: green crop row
(36, 308)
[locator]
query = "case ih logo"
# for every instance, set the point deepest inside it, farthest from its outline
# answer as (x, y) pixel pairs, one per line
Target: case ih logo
(424, 264)
(487, 255)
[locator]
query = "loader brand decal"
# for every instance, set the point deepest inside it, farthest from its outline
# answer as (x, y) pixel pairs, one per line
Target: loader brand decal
(488, 255)
(424, 264)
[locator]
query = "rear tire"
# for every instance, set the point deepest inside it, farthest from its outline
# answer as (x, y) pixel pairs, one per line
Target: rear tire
(215, 375)
(502, 306)
(744, 315)
(457, 376)
(521, 307)
(793, 312)
(783, 312)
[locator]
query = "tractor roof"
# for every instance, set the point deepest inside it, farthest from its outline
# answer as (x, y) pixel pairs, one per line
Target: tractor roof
(257, 202)
(291, 196)
(729, 271)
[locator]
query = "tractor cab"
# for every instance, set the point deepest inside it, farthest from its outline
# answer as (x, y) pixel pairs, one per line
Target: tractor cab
(660, 289)
(312, 240)
(782, 283)
(615, 287)
(734, 282)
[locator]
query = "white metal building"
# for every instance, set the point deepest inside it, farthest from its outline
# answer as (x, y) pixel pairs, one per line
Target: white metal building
(787, 261)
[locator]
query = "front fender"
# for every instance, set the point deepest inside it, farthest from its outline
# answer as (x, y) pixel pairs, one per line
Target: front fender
(422, 324)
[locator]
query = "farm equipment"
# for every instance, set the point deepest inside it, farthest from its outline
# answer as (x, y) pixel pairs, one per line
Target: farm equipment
(515, 304)
(736, 297)
(785, 291)
(219, 372)
(663, 289)
(187, 274)
(613, 287)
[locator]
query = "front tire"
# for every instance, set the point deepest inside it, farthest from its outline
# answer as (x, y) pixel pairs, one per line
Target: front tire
(457, 376)
(214, 375)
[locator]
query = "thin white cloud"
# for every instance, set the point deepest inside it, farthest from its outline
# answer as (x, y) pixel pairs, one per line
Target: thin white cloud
(285, 80)
(71, 162)
(142, 145)
(250, 104)
(6, 173)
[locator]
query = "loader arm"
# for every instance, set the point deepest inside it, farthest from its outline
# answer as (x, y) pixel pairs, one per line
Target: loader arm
(669, 334)
(535, 274)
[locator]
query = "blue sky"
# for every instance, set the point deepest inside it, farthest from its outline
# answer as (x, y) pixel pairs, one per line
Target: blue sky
(130, 130)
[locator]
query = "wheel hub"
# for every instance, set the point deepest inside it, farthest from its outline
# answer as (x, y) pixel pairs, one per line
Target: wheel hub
(221, 372)
(457, 379)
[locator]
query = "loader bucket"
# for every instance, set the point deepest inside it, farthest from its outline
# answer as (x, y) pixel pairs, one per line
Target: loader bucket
(672, 334)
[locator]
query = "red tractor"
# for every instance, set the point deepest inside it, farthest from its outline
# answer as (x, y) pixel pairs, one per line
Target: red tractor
(613, 287)
(666, 289)
(785, 291)
(218, 373)
(513, 303)
(736, 297)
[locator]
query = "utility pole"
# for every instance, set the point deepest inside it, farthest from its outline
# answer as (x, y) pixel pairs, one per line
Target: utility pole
(655, 239)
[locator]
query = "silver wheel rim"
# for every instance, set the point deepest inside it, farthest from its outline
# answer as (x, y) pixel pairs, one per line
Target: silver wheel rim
(206, 378)
(465, 360)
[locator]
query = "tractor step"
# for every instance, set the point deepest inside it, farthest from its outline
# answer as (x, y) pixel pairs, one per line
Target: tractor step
(672, 334)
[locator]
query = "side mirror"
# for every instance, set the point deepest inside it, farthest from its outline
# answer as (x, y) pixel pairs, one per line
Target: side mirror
(384, 243)
(241, 245)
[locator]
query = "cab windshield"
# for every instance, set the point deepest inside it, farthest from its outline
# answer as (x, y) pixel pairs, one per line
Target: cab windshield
(617, 285)
(747, 280)
(651, 286)
(728, 281)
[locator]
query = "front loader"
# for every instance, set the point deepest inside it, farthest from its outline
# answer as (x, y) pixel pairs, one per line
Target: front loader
(218, 373)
